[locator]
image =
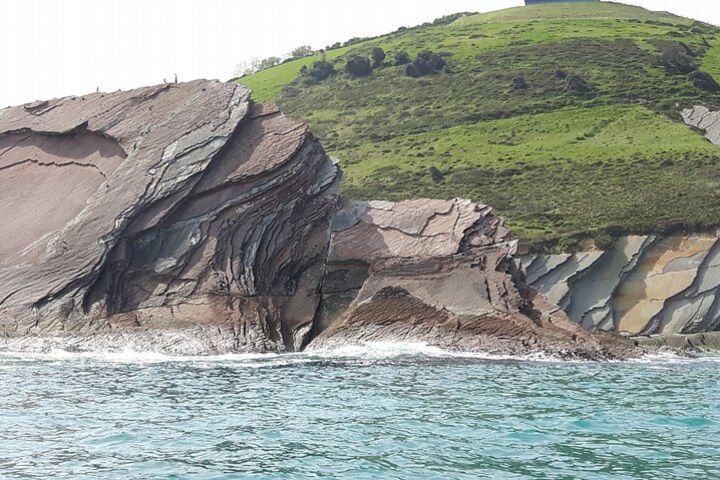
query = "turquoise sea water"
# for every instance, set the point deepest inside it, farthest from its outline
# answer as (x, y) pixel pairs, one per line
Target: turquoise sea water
(400, 412)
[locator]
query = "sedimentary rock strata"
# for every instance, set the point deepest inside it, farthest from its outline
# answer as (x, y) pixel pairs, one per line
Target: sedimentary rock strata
(163, 207)
(184, 218)
(643, 285)
(439, 272)
(366, 232)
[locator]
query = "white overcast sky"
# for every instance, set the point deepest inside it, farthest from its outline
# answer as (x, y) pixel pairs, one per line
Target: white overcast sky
(54, 48)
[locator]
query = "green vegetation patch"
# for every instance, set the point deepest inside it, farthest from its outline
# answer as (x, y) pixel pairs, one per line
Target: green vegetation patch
(567, 11)
(564, 117)
(553, 175)
(711, 60)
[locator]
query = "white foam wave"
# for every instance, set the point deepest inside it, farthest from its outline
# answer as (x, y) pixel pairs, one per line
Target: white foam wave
(390, 350)
(133, 356)
(669, 357)
(367, 351)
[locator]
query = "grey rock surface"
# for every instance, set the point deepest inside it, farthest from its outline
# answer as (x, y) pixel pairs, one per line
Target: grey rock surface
(704, 119)
(643, 285)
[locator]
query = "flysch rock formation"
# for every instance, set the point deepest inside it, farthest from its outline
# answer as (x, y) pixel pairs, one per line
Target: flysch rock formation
(179, 208)
(183, 218)
(439, 272)
(643, 285)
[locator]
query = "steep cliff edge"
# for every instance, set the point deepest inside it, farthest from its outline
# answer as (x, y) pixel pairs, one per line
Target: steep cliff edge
(183, 218)
(167, 207)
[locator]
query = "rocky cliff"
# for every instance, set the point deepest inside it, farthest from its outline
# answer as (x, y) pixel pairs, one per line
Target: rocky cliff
(172, 206)
(185, 218)
(439, 272)
(643, 285)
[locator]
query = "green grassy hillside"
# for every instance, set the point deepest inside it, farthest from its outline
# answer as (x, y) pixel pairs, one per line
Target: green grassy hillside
(564, 117)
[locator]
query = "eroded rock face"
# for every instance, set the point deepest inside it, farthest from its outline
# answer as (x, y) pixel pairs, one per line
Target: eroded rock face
(439, 272)
(183, 218)
(179, 206)
(365, 233)
(643, 285)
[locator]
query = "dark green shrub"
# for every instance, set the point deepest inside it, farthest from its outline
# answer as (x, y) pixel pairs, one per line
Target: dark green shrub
(432, 61)
(358, 66)
(704, 81)
(436, 174)
(412, 71)
(378, 56)
(519, 83)
(577, 84)
(321, 70)
(402, 58)
(425, 63)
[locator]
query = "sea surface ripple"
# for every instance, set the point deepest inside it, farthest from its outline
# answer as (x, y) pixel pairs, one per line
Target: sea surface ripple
(377, 411)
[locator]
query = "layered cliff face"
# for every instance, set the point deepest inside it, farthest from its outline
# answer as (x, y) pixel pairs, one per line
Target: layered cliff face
(184, 218)
(643, 285)
(439, 272)
(172, 206)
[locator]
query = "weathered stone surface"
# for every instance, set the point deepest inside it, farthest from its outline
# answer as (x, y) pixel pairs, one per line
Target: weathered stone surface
(709, 341)
(457, 289)
(367, 232)
(643, 285)
(704, 119)
(183, 218)
(170, 207)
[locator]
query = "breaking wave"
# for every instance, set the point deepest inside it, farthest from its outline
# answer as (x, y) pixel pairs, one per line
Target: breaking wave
(366, 352)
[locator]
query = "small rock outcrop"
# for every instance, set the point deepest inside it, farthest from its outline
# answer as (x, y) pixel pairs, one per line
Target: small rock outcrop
(439, 272)
(183, 218)
(643, 285)
(704, 119)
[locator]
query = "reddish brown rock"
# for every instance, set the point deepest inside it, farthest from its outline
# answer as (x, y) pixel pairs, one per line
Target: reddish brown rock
(177, 207)
(183, 218)
(440, 272)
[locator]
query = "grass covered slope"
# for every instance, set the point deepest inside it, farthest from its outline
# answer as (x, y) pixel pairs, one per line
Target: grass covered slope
(562, 116)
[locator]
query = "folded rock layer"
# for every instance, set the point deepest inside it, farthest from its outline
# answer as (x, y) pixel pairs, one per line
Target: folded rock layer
(439, 272)
(179, 205)
(184, 218)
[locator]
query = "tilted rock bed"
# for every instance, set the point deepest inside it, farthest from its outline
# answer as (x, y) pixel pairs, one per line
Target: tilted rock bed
(643, 285)
(183, 218)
